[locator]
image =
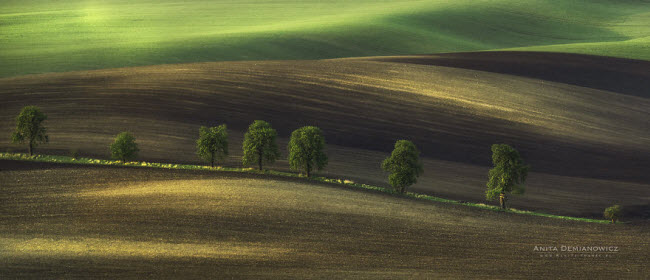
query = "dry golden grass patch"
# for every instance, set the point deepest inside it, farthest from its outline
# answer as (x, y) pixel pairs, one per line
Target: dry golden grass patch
(254, 196)
(63, 247)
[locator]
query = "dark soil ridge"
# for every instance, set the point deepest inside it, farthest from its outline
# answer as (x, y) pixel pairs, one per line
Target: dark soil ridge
(626, 76)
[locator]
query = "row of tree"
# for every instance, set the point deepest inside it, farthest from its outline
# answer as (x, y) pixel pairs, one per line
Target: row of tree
(306, 146)
(306, 153)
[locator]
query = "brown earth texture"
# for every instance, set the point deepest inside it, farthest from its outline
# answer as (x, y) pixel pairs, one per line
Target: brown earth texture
(67, 221)
(581, 122)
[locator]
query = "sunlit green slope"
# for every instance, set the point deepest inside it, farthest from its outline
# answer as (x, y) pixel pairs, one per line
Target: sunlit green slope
(52, 36)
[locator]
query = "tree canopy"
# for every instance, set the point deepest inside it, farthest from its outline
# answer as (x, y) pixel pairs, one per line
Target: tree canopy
(508, 175)
(306, 149)
(29, 128)
(404, 165)
(124, 148)
(260, 145)
(613, 213)
(212, 144)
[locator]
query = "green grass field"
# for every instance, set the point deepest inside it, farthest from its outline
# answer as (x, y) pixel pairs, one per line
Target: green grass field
(46, 36)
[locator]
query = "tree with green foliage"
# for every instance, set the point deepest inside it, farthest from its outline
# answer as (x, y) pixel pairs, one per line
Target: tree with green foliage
(30, 129)
(124, 148)
(306, 149)
(212, 144)
(404, 165)
(508, 175)
(260, 144)
(613, 213)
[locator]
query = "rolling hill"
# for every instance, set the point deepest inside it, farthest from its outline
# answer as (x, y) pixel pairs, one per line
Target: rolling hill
(56, 36)
(70, 221)
(565, 82)
(588, 147)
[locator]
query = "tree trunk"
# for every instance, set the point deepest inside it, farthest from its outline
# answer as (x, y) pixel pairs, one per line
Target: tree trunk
(308, 168)
(30, 148)
(502, 200)
(259, 159)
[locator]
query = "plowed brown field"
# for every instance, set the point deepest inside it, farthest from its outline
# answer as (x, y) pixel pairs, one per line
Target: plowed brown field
(588, 143)
(66, 221)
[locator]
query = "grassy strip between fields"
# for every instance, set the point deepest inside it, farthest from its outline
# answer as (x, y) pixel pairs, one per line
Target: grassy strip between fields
(348, 183)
